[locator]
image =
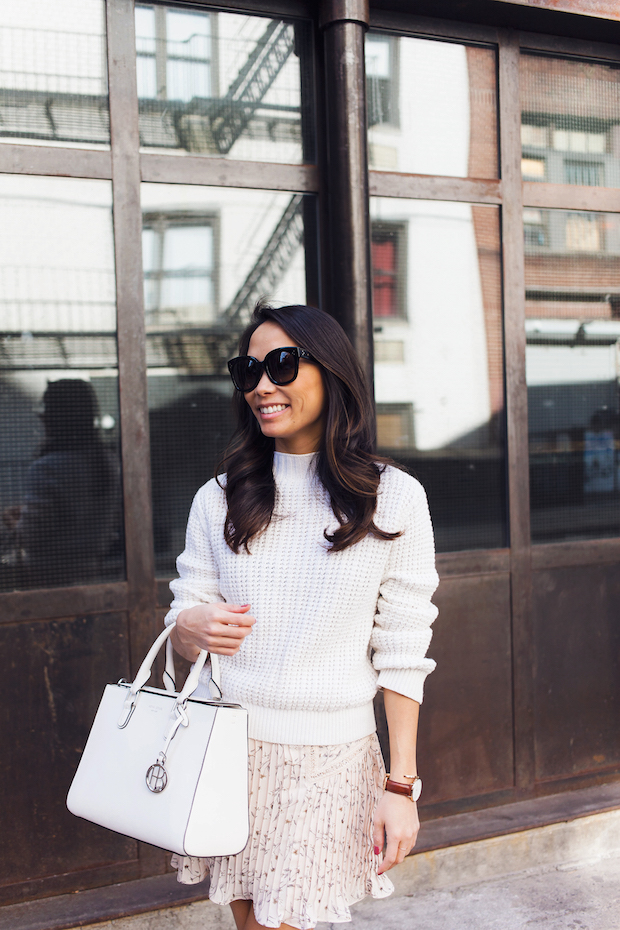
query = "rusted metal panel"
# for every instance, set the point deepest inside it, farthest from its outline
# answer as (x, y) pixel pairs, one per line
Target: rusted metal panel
(224, 172)
(405, 24)
(52, 681)
(102, 904)
(49, 603)
(392, 184)
(465, 745)
(473, 562)
(55, 162)
(562, 45)
(577, 650)
(77, 880)
(589, 552)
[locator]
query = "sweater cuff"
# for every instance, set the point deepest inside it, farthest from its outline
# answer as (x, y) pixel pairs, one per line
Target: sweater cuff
(407, 681)
(171, 616)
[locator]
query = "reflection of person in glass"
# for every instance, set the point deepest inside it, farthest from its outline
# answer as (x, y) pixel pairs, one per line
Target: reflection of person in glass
(309, 569)
(69, 517)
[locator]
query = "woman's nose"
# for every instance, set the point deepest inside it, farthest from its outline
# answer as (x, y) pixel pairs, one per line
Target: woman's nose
(264, 386)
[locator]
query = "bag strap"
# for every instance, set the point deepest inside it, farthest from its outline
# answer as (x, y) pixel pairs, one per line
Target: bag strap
(170, 675)
(144, 673)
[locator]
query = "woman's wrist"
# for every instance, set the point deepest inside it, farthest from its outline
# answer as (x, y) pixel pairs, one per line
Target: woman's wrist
(185, 648)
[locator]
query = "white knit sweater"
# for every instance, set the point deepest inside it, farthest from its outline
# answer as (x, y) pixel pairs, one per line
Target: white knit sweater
(331, 627)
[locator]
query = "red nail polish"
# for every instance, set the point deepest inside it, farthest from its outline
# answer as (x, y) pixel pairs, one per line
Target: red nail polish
(377, 850)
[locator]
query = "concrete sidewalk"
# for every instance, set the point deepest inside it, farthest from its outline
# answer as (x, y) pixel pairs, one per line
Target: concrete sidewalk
(565, 876)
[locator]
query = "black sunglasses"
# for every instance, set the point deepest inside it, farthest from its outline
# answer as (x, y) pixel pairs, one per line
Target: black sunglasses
(280, 365)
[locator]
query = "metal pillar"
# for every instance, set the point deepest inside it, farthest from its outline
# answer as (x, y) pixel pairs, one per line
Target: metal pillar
(344, 23)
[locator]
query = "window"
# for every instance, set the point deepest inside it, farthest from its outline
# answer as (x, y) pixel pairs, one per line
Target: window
(586, 173)
(173, 51)
(388, 281)
(179, 274)
(222, 84)
(533, 169)
(570, 109)
(534, 229)
(395, 426)
(583, 233)
(439, 373)
(53, 76)
(381, 88)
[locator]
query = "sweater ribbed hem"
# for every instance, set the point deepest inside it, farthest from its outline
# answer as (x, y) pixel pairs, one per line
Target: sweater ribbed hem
(310, 727)
(407, 681)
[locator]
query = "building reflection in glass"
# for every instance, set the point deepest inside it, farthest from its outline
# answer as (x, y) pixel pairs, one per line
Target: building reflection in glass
(59, 461)
(222, 84)
(439, 360)
(209, 254)
(53, 73)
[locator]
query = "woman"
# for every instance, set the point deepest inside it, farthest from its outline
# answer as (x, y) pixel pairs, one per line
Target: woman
(310, 554)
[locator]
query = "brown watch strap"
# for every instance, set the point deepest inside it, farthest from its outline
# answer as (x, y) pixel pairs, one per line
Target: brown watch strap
(397, 787)
(412, 791)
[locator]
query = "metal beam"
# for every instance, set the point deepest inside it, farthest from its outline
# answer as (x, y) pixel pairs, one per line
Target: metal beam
(350, 291)
(516, 412)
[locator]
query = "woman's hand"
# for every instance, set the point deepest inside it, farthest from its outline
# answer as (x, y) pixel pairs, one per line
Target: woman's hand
(397, 824)
(220, 628)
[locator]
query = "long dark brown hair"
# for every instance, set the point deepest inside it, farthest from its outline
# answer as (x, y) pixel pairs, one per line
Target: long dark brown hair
(347, 465)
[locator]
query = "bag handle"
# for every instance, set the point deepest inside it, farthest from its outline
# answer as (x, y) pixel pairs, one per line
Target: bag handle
(144, 673)
(170, 675)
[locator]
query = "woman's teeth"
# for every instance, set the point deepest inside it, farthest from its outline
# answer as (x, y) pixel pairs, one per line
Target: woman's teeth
(274, 409)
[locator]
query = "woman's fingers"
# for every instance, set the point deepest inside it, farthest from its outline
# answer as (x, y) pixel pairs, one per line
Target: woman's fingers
(395, 853)
(396, 819)
(220, 628)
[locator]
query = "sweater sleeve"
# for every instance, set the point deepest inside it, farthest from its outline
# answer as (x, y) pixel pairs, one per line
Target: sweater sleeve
(198, 581)
(402, 630)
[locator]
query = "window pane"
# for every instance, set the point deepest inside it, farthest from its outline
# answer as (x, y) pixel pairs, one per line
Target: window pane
(431, 107)
(439, 361)
(212, 253)
(53, 75)
(224, 84)
(573, 371)
(60, 491)
(570, 121)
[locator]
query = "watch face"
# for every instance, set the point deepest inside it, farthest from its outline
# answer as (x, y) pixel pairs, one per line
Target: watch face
(416, 789)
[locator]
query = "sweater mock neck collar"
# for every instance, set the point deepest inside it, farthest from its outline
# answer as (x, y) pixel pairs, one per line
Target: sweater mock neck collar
(288, 467)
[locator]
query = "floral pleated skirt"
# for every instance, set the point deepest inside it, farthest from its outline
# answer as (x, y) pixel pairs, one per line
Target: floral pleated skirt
(310, 853)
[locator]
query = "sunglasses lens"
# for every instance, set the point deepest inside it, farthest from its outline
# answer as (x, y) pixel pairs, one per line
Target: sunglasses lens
(282, 366)
(245, 373)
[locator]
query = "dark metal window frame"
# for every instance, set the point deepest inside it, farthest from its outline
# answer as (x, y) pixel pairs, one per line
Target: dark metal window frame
(512, 194)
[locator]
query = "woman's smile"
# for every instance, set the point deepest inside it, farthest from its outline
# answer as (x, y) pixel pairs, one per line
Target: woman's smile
(272, 410)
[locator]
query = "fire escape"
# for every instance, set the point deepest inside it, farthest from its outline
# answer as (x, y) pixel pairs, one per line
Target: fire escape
(71, 117)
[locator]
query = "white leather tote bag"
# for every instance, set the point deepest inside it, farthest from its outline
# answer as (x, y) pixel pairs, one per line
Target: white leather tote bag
(165, 767)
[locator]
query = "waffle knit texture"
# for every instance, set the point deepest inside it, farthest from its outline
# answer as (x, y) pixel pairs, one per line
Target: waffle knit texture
(331, 627)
